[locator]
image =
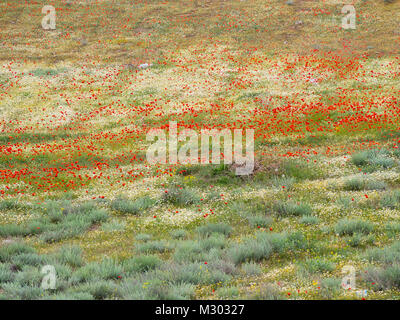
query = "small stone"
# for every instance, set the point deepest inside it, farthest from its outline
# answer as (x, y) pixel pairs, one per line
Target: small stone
(14, 268)
(7, 241)
(144, 66)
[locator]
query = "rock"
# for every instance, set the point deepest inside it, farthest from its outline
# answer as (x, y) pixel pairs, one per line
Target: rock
(144, 66)
(14, 268)
(8, 241)
(129, 66)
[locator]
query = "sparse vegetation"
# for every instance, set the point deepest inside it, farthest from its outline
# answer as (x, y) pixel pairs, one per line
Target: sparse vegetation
(79, 193)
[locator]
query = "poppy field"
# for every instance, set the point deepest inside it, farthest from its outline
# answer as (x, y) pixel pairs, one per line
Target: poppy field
(84, 215)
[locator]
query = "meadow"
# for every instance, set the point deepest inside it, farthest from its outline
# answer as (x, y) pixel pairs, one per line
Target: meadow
(77, 192)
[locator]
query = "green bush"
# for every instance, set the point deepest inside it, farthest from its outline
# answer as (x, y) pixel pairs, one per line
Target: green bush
(392, 229)
(263, 245)
(6, 275)
(251, 269)
(9, 250)
(266, 292)
(224, 265)
(330, 287)
(357, 240)
(113, 226)
(283, 182)
(58, 221)
(260, 221)
(71, 255)
(216, 240)
(70, 296)
(199, 273)
(373, 158)
(227, 292)
(189, 251)
(153, 246)
(309, 220)
(178, 234)
(16, 291)
(211, 228)
(107, 269)
(142, 263)
(300, 170)
(387, 255)
(100, 290)
(312, 266)
(29, 276)
(383, 278)
(13, 230)
(9, 205)
(30, 259)
(180, 196)
(291, 208)
(251, 250)
(182, 291)
(362, 183)
(351, 226)
(133, 289)
(391, 200)
(132, 207)
(143, 237)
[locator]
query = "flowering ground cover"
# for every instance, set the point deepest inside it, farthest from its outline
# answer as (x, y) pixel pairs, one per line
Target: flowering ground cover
(77, 192)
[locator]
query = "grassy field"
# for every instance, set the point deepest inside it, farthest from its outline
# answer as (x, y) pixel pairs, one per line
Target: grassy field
(76, 190)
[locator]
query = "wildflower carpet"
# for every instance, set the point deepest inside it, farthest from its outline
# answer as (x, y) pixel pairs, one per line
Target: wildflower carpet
(78, 194)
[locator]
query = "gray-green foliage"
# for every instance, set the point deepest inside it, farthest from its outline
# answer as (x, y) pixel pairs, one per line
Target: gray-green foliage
(57, 221)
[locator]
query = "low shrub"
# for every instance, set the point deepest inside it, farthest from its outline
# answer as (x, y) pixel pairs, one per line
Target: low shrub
(153, 246)
(142, 263)
(291, 208)
(373, 159)
(251, 269)
(71, 255)
(211, 228)
(263, 245)
(100, 290)
(180, 196)
(266, 292)
(178, 234)
(330, 287)
(135, 207)
(309, 220)
(286, 183)
(358, 183)
(9, 250)
(227, 292)
(351, 226)
(260, 221)
(312, 266)
(391, 200)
